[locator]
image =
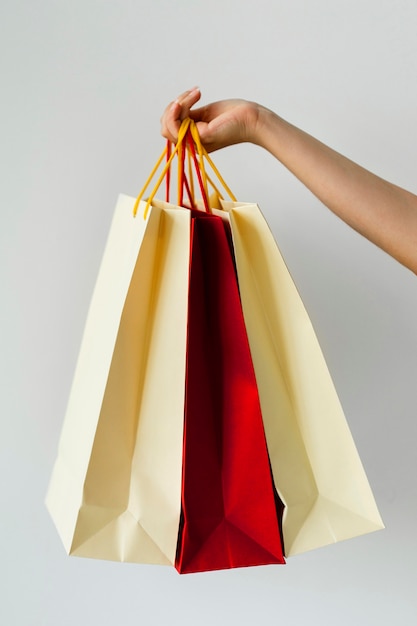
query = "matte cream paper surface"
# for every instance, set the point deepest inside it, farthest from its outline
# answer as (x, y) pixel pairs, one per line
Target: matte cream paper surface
(115, 491)
(315, 464)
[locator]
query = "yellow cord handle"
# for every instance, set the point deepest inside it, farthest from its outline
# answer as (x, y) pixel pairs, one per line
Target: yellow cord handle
(202, 155)
(181, 136)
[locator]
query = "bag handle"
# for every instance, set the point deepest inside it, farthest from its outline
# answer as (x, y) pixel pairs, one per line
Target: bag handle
(204, 155)
(188, 141)
(181, 136)
(199, 168)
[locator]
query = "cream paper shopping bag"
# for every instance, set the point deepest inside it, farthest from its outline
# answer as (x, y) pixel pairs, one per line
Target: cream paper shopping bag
(115, 491)
(315, 464)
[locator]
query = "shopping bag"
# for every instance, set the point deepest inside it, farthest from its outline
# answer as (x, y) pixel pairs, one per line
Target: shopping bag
(316, 467)
(115, 491)
(229, 513)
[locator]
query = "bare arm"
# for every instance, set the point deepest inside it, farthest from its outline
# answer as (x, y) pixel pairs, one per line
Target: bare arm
(382, 212)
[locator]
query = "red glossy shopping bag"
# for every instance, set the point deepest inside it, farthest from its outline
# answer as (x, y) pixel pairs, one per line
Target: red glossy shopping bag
(231, 514)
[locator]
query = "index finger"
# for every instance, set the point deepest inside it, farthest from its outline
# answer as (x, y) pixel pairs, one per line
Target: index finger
(177, 111)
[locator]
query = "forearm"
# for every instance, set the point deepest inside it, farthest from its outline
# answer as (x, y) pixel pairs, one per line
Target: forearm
(379, 210)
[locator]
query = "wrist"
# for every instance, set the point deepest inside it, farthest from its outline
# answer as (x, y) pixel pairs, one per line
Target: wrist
(266, 127)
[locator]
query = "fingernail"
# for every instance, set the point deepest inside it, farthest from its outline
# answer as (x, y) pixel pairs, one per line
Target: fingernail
(192, 92)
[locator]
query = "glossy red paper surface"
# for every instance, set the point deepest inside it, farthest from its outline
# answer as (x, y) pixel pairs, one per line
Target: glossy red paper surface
(230, 510)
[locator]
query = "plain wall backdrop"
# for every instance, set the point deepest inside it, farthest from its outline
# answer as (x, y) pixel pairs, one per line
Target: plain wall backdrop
(83, 85)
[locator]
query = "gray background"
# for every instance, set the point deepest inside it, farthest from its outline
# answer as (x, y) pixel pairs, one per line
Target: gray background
(83, 86)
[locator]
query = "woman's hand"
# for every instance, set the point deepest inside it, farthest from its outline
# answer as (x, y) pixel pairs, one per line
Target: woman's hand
(219, 124)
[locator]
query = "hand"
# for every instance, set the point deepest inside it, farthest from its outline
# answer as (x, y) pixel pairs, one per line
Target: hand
(219, 124)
